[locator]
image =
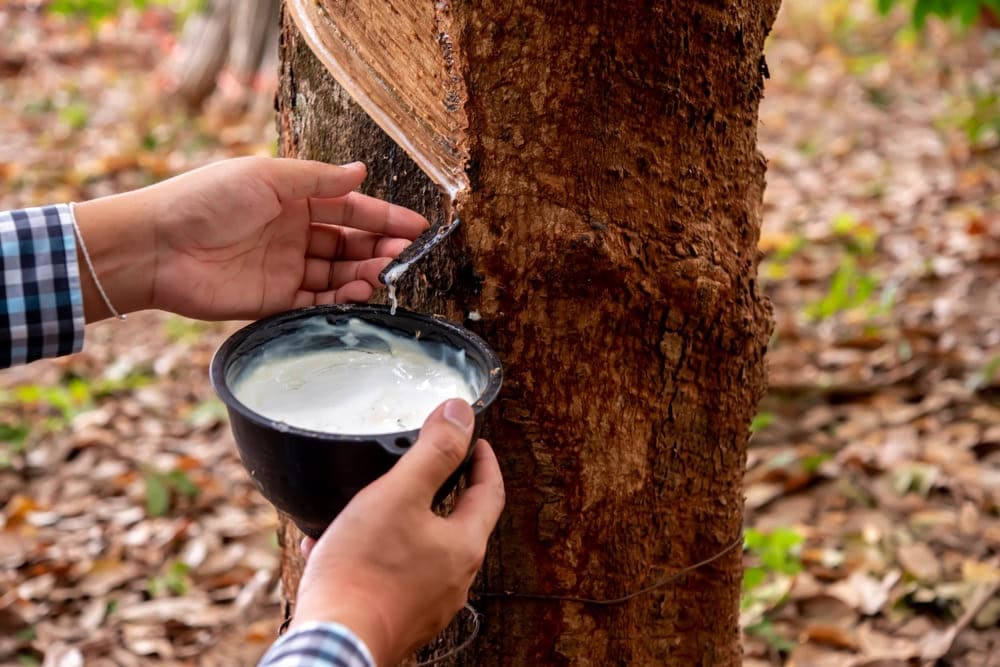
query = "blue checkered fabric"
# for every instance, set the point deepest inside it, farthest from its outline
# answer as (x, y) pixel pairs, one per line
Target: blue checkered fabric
(41, 305)
(318, 645)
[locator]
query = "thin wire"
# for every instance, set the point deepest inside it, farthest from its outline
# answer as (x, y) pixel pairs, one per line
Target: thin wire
(625, 598)
(90, 264)
(476, 616)
(461, 647)
(569, 598)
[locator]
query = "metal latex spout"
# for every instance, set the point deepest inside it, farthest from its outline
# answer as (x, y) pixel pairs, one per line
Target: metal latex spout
(420, 248)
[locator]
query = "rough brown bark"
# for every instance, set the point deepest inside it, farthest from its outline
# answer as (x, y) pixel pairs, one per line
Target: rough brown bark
(609, 245)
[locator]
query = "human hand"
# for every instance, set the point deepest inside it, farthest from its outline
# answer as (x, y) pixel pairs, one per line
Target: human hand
(388, 567)
(242, 239)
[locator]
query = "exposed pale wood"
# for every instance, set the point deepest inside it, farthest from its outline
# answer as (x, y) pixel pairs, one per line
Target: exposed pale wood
(396, 58)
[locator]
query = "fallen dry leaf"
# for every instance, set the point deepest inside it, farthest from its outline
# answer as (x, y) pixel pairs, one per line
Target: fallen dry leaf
(865, 593)
(188, 611)
(920, 561)
(830, 635)
(811, 655)
(882, 646)
(937, 644)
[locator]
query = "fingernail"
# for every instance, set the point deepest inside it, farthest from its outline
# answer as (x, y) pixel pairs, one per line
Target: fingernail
(459, 413)
(350, 165)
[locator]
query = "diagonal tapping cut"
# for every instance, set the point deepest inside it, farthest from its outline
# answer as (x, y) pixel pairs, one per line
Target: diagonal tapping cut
(409, 82)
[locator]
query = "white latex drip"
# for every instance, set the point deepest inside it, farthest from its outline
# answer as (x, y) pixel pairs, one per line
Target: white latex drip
(393, 275)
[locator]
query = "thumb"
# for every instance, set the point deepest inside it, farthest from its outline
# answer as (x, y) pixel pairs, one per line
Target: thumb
(442, 446)
(298, 179)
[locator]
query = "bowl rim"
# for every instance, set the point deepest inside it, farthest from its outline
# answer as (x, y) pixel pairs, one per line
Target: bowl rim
(217, 370)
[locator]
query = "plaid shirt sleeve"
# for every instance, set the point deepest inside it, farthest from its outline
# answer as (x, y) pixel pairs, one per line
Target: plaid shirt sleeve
(318, 645)
(41, 305)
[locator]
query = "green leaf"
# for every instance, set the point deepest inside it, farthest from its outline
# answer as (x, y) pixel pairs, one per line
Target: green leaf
(28, 394)
(207, 413)
(968, 11)
(844, 224)
(849, 288)
(75, 115)
(181, 329)
(79, 391)
(761, 421)
(94, 10)
(788, 250)
(860, 238)
(176, 579)
(14, 434)
(39, 107)
(777, 551)
(920, 11)
(753, 539)
(766, 631)
(26, 635)
(134, 380)
(785, 538)
(155, 586)
(986, 375)
(811, 464)
(182, 483)
(753, 577)
(157, 494)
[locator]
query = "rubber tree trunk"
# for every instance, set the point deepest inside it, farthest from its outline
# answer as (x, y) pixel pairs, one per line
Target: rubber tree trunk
(609, 249)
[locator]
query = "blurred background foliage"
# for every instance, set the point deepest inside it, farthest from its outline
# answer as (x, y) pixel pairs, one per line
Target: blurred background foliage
(967, 11)
(96, 10)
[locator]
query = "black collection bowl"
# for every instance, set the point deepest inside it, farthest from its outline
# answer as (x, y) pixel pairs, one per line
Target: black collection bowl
(311, 475)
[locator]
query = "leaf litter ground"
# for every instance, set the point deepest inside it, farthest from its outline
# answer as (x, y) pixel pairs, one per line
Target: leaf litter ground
(874, 471)
(129, 533)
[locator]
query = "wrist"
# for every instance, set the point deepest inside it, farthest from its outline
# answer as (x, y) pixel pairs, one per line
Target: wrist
(365, 625)
(119, 239)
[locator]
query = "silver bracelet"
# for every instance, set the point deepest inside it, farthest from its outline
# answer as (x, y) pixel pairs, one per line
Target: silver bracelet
(90, 264)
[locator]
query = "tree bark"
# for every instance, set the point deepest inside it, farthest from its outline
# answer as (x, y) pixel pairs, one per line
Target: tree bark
(608, 246)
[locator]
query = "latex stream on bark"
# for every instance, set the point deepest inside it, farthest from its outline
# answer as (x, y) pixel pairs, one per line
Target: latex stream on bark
(408, 80)
(420, 248)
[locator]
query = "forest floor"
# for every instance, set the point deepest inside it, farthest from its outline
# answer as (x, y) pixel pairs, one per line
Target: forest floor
(130, 534)
(873, 482)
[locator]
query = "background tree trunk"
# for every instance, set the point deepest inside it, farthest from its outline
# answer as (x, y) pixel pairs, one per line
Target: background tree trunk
(609, 245)
(226, 58)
